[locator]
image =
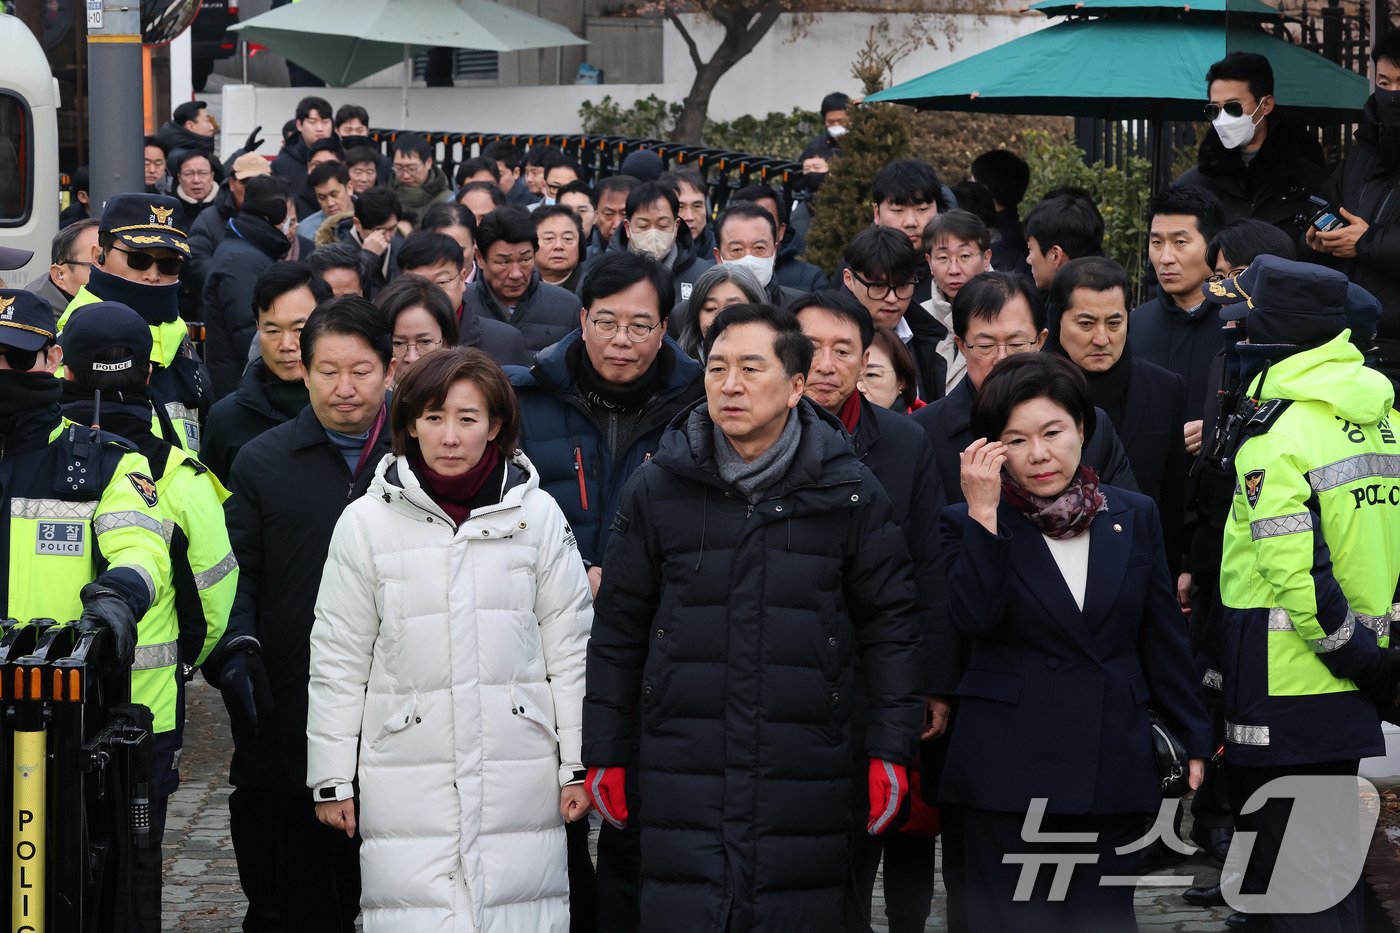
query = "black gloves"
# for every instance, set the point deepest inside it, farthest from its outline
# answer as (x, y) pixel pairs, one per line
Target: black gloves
(105, 608)
(253, 142)
(1381, 683)
(244, 681)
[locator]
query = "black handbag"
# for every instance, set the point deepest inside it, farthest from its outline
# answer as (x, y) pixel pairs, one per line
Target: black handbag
(1172, 765)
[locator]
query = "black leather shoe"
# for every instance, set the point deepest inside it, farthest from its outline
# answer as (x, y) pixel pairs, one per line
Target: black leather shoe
(1160, 856)
(1215, 842)
(1235, 921)
(1204, 896)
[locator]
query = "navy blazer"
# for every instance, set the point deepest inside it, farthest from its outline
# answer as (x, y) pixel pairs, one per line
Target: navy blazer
(1054, 702)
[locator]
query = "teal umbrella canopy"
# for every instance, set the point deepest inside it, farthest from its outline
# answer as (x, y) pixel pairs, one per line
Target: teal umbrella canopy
(1251, 9)
(343, 41)
(1119, 69)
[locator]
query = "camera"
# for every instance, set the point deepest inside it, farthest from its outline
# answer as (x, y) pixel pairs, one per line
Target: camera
(1320, 215)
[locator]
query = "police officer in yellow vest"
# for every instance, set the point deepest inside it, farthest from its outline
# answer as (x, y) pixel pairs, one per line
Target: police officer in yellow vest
(1311, 559)
(106, 360)
(137, 261)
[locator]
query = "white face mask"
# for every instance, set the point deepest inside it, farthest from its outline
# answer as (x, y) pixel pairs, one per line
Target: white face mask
(836, 132)
(760, 266)
(1235, 131)
(655, 243)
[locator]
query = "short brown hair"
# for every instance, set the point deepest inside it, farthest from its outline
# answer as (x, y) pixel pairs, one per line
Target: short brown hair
(426, 386)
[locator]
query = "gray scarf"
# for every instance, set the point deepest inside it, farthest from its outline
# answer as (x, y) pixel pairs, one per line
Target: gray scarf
(754, 477)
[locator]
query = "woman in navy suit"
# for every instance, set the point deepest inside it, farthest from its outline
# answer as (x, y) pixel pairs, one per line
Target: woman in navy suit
(1061, 586)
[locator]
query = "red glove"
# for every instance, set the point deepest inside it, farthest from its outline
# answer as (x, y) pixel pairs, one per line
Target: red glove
(889, 795)
(607, 788)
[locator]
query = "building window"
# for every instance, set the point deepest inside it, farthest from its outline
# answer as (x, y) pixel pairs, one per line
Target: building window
(467, 65)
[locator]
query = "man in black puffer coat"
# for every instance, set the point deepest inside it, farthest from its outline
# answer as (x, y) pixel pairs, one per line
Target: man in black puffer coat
(252, 242)
(755, 571)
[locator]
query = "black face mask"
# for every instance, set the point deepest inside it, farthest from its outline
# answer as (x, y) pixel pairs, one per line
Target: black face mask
(22, 391)
(1387, 106)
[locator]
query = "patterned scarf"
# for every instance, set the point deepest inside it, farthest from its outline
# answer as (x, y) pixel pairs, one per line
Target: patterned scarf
(1067, 515)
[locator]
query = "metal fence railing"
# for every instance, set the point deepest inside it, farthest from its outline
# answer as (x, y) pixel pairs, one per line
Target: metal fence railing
(598, 157)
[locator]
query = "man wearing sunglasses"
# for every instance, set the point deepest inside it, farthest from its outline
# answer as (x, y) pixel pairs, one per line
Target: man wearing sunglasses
(1250, 157)
(137, 262)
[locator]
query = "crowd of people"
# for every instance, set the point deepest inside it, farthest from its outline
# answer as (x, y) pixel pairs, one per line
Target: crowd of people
(491, 499)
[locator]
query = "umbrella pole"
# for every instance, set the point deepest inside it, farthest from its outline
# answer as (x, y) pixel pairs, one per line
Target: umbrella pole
(407, 78)
(1157, 157)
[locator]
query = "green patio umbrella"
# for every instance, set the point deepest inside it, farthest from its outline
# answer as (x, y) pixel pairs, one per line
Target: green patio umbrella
(1142, 62)
(1121, 69)
(343, 41)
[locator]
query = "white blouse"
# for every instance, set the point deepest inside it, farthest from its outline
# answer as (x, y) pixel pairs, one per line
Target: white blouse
(1072, 557)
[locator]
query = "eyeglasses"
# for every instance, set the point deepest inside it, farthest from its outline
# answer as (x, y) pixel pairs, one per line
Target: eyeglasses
(21, 361)
(1234, 108)
(988, 350)
(195, 176)
(425, 345)
(1220, 277)
(875, 374)
(143, 261)
(962, 260)
(879, 291)
(636, 333)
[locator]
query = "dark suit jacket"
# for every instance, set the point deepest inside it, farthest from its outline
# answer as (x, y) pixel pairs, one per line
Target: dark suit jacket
(901, 457)
(1054, 701)
(948, 422)
(1150, 429)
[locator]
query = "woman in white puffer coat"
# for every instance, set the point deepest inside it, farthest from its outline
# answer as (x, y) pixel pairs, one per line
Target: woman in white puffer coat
(447, 668)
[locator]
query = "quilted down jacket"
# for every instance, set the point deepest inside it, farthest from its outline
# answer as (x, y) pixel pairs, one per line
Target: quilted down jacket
(447, 676)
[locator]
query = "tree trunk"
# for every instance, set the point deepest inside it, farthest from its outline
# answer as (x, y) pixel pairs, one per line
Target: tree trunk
(742, 31)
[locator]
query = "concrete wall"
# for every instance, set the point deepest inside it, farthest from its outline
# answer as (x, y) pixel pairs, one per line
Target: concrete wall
(780, 74)
(627, 48)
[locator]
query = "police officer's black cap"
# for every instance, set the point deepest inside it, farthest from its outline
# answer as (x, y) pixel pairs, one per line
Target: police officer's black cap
(1283, 301)
(102, 326)
(26, 320)
(145, 221)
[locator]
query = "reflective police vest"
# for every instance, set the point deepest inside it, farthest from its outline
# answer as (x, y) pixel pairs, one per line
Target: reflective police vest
(179, 382)
(79, 508)
(1311, 561)
(203, 568)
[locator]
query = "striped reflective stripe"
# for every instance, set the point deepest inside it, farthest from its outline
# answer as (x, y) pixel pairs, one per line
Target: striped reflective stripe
(1380, 624)
(892, 804)
(154, 657)
(1361, 466)
(167, 530)
(179, 411)
(1213, 680)
(145, 576)
(1337, 639)
(1282, 525)
(111, 521)
(52, 508)
(1280, 621)
(1247, 735)
(216, 573)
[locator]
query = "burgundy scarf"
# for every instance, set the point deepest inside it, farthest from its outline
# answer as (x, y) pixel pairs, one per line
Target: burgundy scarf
(454, 494)
(1069, 514)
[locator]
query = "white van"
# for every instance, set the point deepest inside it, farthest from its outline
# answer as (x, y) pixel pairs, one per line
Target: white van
(28, 149)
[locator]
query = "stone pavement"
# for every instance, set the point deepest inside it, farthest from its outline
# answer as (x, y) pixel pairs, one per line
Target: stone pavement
(201, 879)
